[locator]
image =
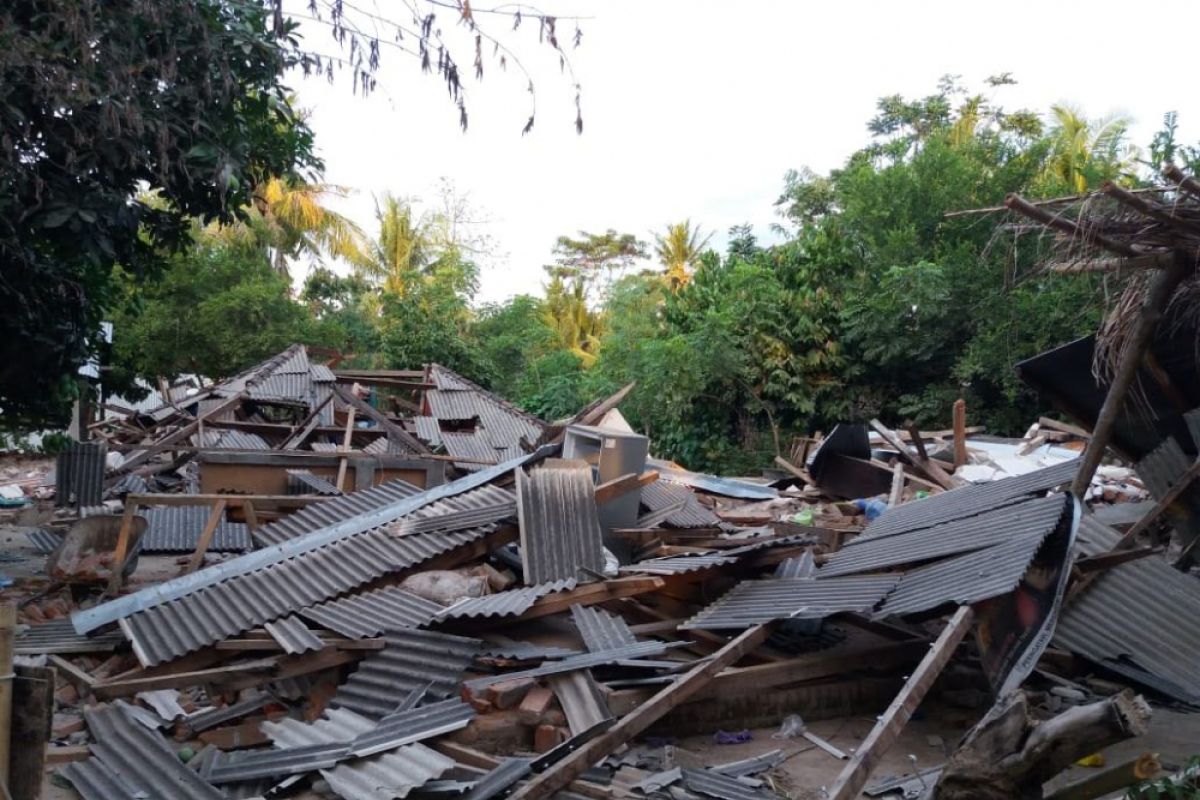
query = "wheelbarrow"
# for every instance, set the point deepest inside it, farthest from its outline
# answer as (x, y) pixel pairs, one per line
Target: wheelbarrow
(87, 552)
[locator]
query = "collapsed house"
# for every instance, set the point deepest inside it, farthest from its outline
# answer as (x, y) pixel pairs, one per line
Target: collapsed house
(310, 581)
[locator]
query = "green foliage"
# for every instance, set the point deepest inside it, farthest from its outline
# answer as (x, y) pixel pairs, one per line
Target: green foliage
(214, 310)
(1184, 785)
(512, 337)
(99, 99)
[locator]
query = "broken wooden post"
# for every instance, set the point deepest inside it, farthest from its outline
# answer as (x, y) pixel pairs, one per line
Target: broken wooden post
(960, 432)
(928, 466)
(855, 774)
(1010, 754)
(1153, 306)
(897, 493)
(206, 537)
(122, 552)
(571, 767)
(8, 624)
(346, 440)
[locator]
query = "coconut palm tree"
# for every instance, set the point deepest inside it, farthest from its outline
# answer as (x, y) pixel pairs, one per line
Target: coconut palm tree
(1087, 153)
(290, 219)
(403, 248)
(679, 250)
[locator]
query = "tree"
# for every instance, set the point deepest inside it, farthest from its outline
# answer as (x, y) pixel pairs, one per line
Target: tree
(215, 309)
(678, 250)
(289, 219)
(1087, 153)
(184, 97)
(594, 260)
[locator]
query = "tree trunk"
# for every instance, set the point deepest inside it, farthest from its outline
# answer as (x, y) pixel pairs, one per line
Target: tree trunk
(1009, 755)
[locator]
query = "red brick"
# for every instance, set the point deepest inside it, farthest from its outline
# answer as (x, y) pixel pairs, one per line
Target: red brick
(508, 694)
(535, 705)
(547, 737)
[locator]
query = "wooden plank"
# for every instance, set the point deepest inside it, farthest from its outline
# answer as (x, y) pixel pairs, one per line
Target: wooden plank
(589, 594)
(251, 516)
(927, 465)
(562, 773)
(1151, 516)
(887, 729)
(800, 473)
(66, 755)
(32, 711)
(896, 496)
(260, 501)
(75, 676)
(617, 487)
(206, 537)
(305, 428)
(126, 687)
(395, 432)
(471, 757)
(122, 551)
(1064, 427)
(342, 463)
(182, 433)
(960, 432)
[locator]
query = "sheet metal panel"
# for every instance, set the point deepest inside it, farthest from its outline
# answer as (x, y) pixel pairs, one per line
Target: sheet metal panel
(328, 512)
(966, 579)
(59, 636)
(302, 481)
(662, 495)
(753, 602)
(722, 787)
(582, 700)
(601, 630)
(412, 659)
(726, 487)
(503, 604)
(413, 725)
(177, 529)
(295, 361)
(293, 635)
(499, 779)
(322, 374)
(428, 430)
(217, 612)
(585, 661)
(142, 758)
(94, 781)
(371, 613)
(560, 526)
(290, 388)
(42, 540)
(480, 513)
(79, 474)
(250, 765)
(963, 535)
(679, 565)
(388, 776)
(356, 538)
(965, 501)
(1162, 467)
(448, 380)
(1142, 613)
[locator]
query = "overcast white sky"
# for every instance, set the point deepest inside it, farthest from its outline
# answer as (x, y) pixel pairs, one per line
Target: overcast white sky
(696, 109)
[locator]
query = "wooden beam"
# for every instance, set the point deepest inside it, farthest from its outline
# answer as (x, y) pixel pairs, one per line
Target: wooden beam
(206, 537)
(887, 729)
(799, 472)
(122, 551)
(960, 432)
(178, 435)
(1113, 559)
(562, 773)
(1069, 227)
(343, 463)
(251, 516)
(1064, 427)
(394, 432)
(73, 675)
(590, 594)
(1155, 303)
(305, 428)
(928, 466)
(611, 490)
(896, 496)
(1149, 209)
(260, 501)
(179, 680)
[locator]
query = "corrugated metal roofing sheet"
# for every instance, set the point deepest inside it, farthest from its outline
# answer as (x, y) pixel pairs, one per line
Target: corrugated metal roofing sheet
(965, 502)
(411, 659)
(502, 505)
(601, 630)
(322, 374)
(713, 484)
(428, 430)
(1037, 516)
(1162, 466)
(448, 379)
(1141, 613)
(504, 604)
(413, 725)
(293, 635)
(265, 584)
(59, 636)
(560, 526)
(94, 781)
(722, 787)
(678, 565)
(42, 540)
(295, 361)
(371, 613)
(584, 661)
(302, 481)
(965, 579)
(661, 495)
(79, 474)
(177, 529)
(249, 765)
(290, 388)
(752, 602)
(499, 779)
(317, 515)
(581, 699)
(388, 776)
(141, 757)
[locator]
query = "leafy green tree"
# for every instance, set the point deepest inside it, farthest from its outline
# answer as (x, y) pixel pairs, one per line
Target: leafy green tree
(214, 310)
(341, 316)
(512, 337)
(98, 100)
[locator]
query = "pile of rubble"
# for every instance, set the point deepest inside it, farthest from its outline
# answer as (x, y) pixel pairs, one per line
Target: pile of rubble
(304, 581)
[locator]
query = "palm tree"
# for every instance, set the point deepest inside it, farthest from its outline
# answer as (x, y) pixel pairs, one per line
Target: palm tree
(577, 328)
(290, 219)
(678, 250)
(403, 248)
(1087, 153)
